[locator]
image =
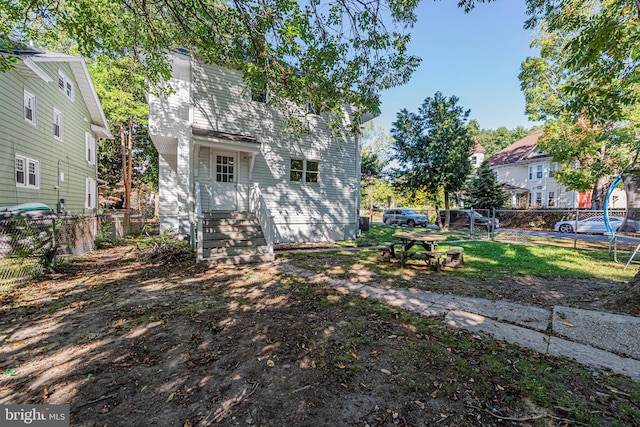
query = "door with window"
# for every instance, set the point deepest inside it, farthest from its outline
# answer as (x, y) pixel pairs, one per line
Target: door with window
(224, 188)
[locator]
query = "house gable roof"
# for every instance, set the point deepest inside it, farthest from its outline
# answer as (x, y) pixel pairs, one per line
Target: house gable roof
(516, 151)
(28, 66)
(477, 148)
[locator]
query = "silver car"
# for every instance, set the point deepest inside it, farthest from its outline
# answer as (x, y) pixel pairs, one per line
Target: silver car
(404, 216)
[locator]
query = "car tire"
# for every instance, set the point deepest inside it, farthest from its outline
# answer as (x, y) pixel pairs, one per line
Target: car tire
(411, 223)
(565, 228)
(388, 221)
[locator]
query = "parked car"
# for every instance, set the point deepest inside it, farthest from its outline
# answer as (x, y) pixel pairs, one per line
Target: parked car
(594, 224)
(462, 219)
(404, 216)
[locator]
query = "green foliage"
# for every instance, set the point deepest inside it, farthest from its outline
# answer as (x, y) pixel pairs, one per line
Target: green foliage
(484, 191)
(328, 53)
(495, 140)
(36, 238)
(584, 85)
(163, 249)
(433, 147)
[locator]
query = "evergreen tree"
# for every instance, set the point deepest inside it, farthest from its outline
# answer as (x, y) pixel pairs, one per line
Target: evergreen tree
(484, 191)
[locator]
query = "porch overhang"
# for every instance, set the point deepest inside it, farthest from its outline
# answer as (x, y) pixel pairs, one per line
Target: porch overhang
(228, 141)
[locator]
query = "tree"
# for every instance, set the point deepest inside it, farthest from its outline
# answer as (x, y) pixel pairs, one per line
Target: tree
(484, 191)
(433, 148)
(495, 140)
(374, 158)
(581, 128)
(331, 54)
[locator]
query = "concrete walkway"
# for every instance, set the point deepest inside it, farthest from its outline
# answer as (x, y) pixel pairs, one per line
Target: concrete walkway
(604, 341)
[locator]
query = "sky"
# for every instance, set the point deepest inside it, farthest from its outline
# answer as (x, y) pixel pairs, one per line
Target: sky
(474, 56)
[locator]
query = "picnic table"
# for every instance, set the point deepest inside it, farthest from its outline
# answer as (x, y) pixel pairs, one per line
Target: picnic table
(428, 240)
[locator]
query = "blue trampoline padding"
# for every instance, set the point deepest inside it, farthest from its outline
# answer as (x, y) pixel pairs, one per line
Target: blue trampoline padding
(607, 223)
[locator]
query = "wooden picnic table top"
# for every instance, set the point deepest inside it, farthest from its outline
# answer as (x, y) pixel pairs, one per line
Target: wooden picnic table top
(422, 236)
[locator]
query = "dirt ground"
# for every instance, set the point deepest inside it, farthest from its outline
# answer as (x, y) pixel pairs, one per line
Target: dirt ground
(128, 343)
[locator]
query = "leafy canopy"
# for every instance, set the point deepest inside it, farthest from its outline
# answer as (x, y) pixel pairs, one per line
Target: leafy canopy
(433, 146)
(329, 53)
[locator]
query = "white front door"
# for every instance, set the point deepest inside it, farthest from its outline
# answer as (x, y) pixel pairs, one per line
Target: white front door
(224, 178)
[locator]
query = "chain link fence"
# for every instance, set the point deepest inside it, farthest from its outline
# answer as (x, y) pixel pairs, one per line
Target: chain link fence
(577, 228)
(30, 245)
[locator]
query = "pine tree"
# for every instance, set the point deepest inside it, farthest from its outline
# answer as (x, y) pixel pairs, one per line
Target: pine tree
(484, 191)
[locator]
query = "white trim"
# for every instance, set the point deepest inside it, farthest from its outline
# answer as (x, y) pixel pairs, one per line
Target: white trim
(25, 169)
(60, 136)
(90, 148)
(39, 72)
(34, 108)
(90, 193)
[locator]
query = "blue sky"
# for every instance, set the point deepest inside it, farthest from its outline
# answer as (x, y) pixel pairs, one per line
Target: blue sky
(474, 56)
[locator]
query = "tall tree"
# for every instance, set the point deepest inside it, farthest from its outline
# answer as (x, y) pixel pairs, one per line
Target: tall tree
(484, 191)
(375, 157)
(584, 125)
(330, 53)
(433, 147)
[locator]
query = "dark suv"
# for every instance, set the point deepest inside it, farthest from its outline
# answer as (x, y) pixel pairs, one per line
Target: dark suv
(462, 219)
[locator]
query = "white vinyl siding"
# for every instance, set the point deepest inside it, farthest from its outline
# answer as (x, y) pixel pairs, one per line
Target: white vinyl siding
(58, 125)
(220, 100)
(30, 112)
(27, 172)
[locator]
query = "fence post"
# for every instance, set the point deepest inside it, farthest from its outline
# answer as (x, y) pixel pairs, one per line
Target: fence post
(575, 232)
(493, 224)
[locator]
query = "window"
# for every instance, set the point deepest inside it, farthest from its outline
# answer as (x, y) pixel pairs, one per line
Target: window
(551, 198)
(538, 199)
(259, 92)
(66, 85)
(539, 170)
(304, 170)
(90, 200)
(27, 172)
(224, 168)
(90, 144)
(473, 160)
(530, 172)
(57, 124)
(553, 167)
(30, 107)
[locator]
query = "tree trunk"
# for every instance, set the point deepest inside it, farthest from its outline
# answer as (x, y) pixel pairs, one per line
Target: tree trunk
(600, 192)
(631, 182)
(447, 215)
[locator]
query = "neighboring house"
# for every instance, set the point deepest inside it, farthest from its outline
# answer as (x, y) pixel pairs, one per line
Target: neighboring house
(223, 149)
(477, 155)
(50, 118)
(528, 176)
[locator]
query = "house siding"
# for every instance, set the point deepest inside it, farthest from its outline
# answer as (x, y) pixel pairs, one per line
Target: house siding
(302, 211)
(38, 143)
(321, 211)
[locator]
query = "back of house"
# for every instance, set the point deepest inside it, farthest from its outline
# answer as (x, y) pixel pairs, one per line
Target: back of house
(224, 149)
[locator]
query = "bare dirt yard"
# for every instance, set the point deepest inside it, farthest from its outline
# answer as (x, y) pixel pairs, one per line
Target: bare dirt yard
(129, 340)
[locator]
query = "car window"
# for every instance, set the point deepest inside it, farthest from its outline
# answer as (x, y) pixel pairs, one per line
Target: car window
(408, 212)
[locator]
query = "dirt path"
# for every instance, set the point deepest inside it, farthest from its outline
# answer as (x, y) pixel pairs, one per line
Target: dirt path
(126, 343)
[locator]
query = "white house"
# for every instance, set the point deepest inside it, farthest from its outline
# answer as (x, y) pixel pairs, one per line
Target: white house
(477, 155)
(527, 174)
(224, 149)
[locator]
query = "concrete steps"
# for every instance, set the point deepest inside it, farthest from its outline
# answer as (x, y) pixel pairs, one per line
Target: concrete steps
(233, 238)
